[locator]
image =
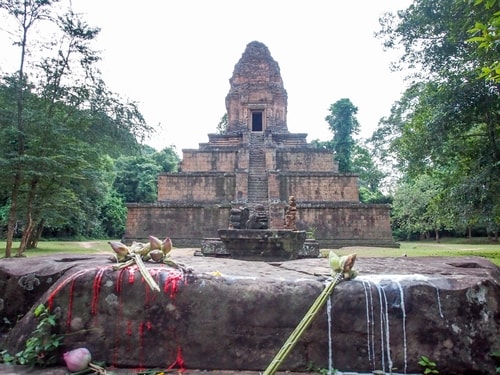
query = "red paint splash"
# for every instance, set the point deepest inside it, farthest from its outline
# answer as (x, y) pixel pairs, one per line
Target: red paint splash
(172, 283)
(50, 299)
(96, 288)
(141, 344)
(131, 274)
(119, 281)
(179, 361)
(118, 332)
(70, 305)
(150, 296)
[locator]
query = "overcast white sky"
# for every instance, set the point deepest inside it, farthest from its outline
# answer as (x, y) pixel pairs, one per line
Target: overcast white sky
(175, 59)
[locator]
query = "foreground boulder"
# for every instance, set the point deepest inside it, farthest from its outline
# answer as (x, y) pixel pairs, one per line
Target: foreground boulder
(235, 315)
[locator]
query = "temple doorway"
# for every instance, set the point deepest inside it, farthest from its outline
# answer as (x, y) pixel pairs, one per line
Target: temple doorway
(257, 121)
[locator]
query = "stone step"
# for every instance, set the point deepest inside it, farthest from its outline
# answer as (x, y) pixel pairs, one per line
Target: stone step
(257, 177)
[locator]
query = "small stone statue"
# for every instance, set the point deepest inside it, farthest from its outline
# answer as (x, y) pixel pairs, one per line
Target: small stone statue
(258, 219)
(290, 215)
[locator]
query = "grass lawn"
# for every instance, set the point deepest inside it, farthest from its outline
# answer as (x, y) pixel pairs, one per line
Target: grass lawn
(447, 247)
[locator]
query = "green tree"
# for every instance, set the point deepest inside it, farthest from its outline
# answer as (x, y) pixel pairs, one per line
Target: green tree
(343, 124)
(370, 176)
(446, 123)
(136, 178)
(27, 14)
(486, 36)
(167, 159)
(363, 164)
(113, 215)
(63, 123)
(222, 125)
(415, 206)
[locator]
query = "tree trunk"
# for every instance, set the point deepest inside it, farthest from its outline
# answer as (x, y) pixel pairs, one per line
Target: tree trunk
(27, 13)
(36, 235)
(493, 236)
(12, 218)
(24, 239)
(437, 236)
(29, 222)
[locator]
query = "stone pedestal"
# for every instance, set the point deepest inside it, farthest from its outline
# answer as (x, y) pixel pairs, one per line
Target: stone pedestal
(310, 249)
(263, 244)
(214, 247)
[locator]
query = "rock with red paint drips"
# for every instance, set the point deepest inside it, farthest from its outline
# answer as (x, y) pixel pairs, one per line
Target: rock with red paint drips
(233, 314)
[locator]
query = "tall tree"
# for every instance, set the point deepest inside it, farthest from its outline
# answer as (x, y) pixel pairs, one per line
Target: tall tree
(486, 35)
(137, 176)
(136, 179)
(370, 175)
(343, 124)
(446, 123)
(69, 122)
(415, 204)
(27, 14)
(167, 159)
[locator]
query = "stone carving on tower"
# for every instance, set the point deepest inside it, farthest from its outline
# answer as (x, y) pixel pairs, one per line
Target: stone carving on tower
(257, 100)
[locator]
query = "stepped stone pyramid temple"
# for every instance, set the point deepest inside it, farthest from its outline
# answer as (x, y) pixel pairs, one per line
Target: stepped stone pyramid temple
(257, 162)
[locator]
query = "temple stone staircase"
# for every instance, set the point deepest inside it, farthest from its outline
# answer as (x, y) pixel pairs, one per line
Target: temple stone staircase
(257, 176)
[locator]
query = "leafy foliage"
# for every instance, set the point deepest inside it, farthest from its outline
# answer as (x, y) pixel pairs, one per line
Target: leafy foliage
(343, 124)
(167, 159)
(41, 346)
(137, 176)
(445, 126)
(416, 206)
(222, 125)
(430, 367)
(486, 36)
(59, 126)
(363, 163)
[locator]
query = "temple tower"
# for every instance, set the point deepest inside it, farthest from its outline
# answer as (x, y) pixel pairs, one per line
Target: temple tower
(257, 162)
(257, 100)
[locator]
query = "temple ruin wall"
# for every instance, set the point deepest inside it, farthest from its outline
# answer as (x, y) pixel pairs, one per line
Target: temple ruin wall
(204, 161)
(315, 186)
(334, 224)
(346, 224)
(196, 186)
(187, 224)
(305, 160)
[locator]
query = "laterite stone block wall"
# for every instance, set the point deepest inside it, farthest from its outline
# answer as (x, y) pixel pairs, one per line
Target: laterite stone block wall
(186, 224)
(196, 187)
(318, 186)
(298, 160)
(339, 224)
(204, 161)
(335, 224)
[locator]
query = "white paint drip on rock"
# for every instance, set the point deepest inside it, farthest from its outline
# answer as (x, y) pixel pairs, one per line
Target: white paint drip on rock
(383, 284)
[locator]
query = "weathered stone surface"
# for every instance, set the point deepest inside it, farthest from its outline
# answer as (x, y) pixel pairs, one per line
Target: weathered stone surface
(235, 315)
(24, 370)
(263, 244)
(256, 87)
